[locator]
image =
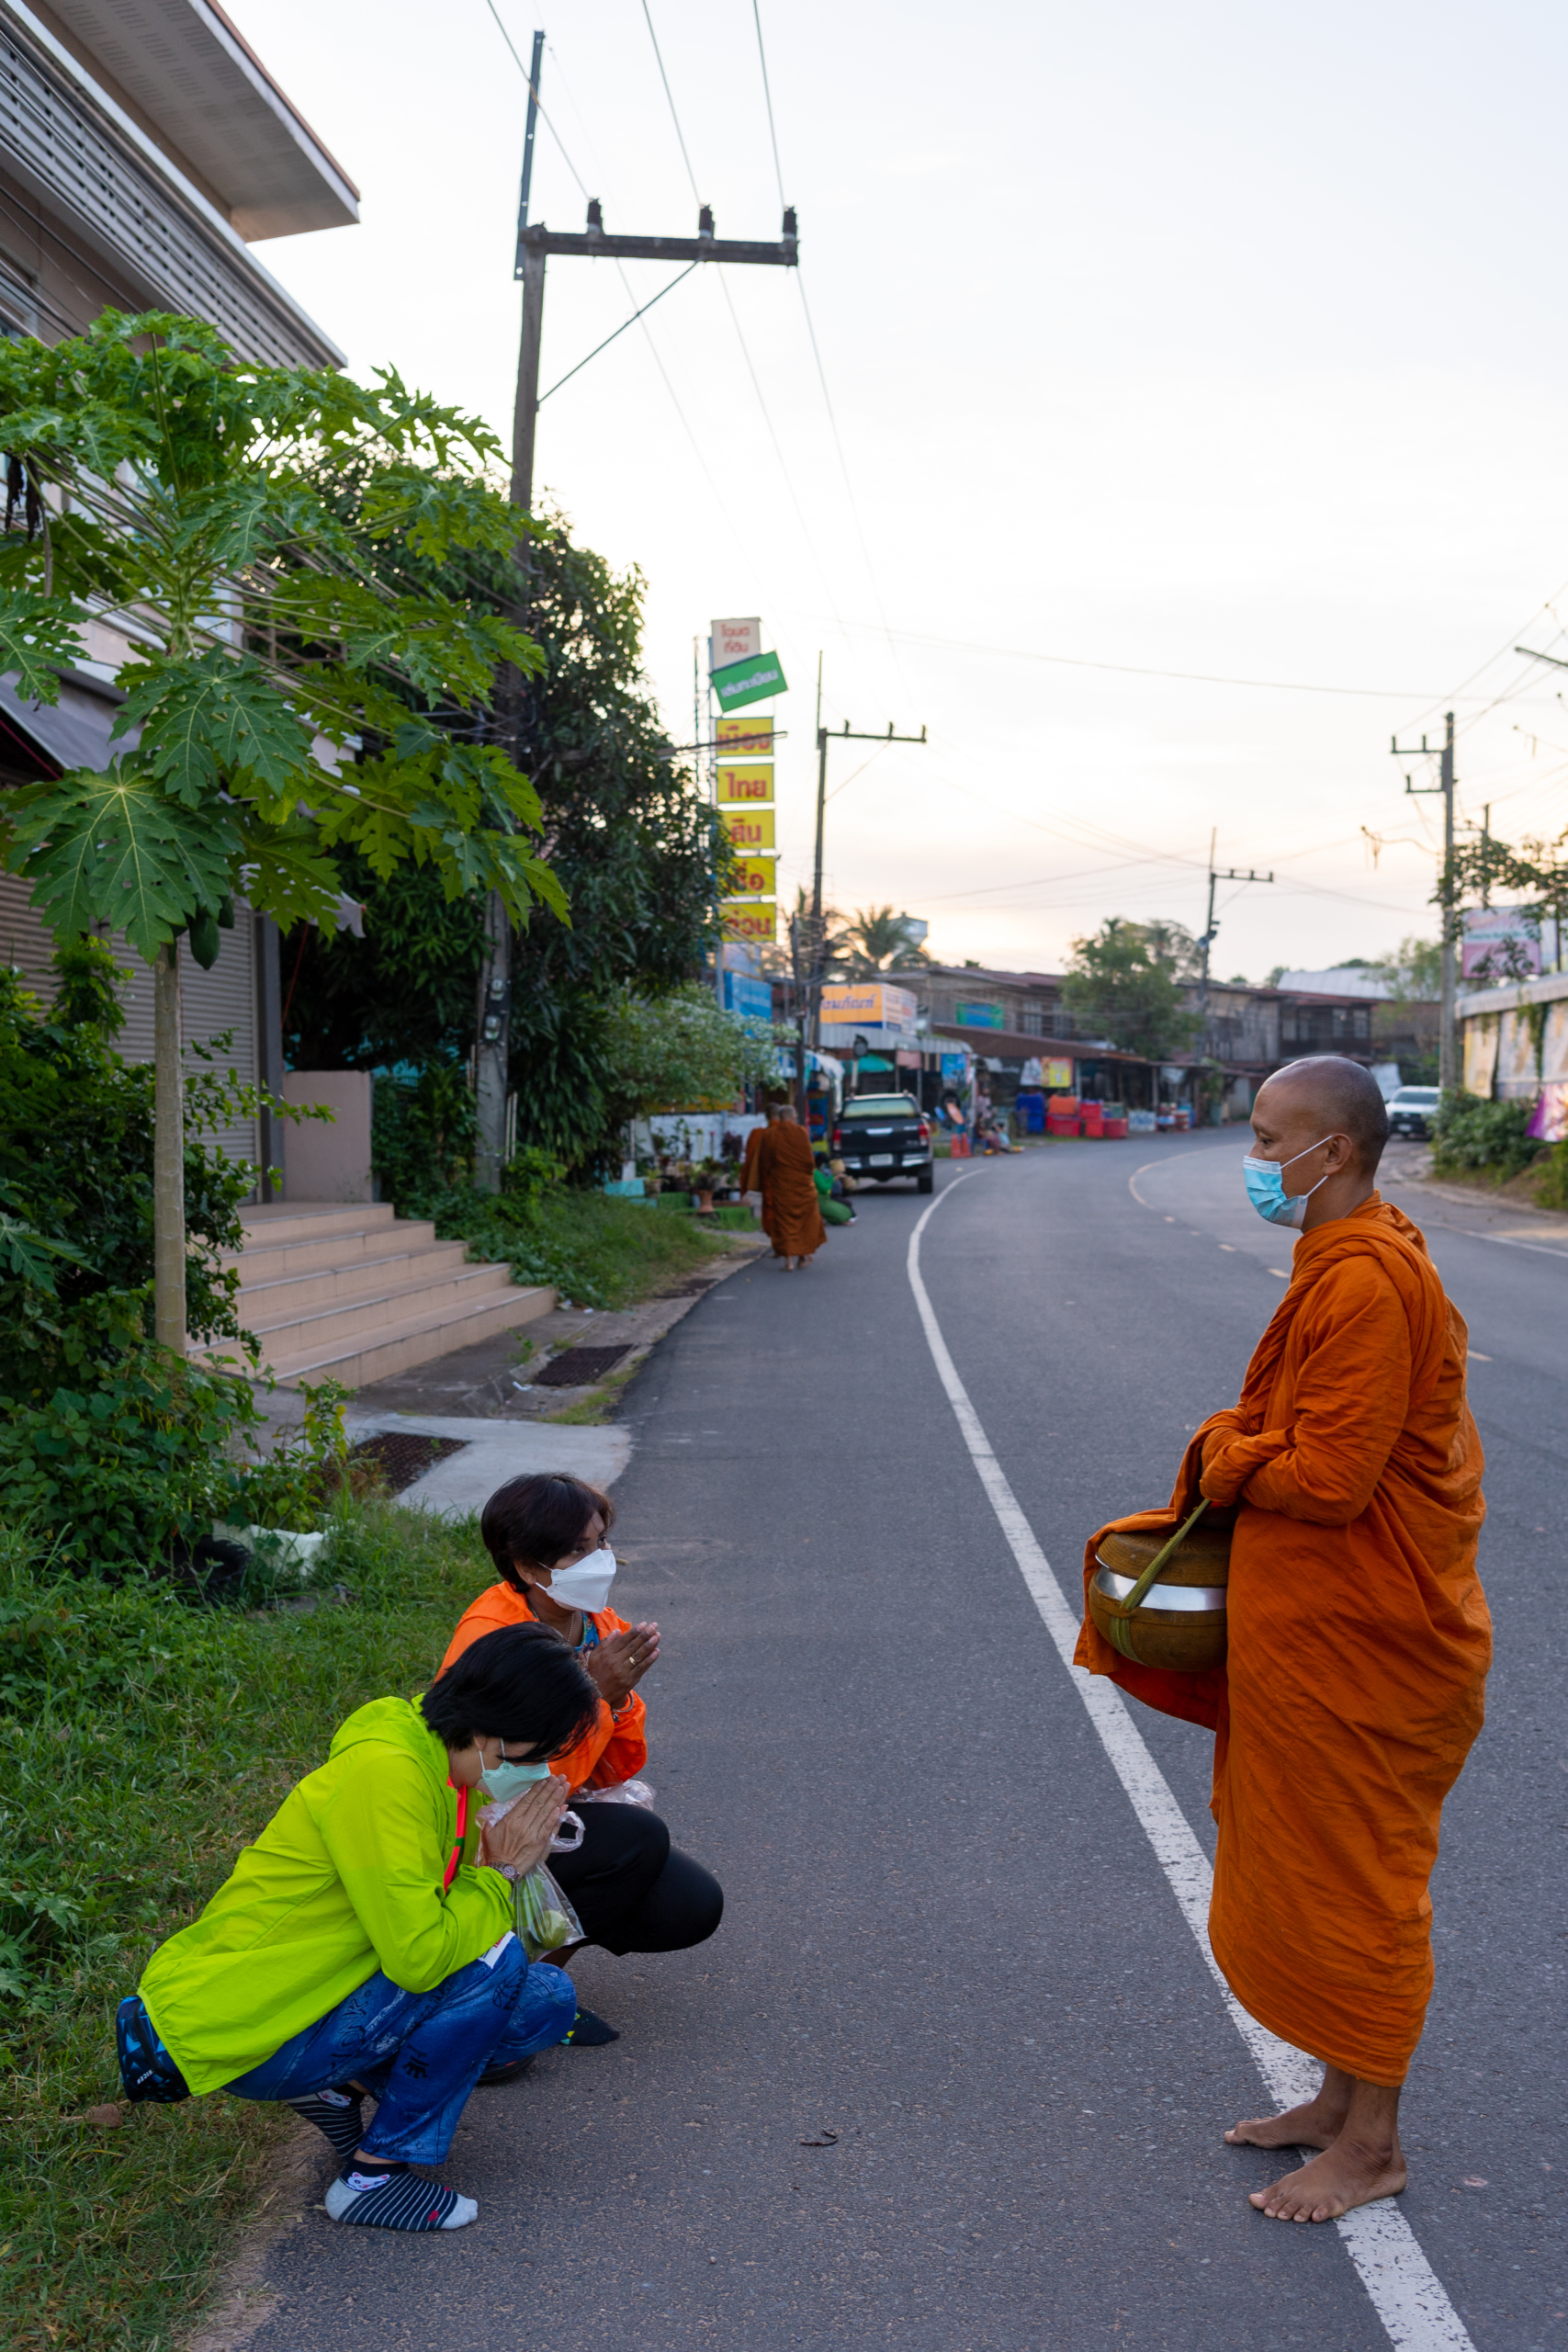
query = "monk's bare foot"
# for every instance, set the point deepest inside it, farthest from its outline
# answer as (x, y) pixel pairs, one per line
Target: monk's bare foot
(1349, 2174)
(1316, 2125)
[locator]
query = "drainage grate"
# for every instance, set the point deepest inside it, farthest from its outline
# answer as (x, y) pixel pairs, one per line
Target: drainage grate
(403, 1455)
(580, 1367)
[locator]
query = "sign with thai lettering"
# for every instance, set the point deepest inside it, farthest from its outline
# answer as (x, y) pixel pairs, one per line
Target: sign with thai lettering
(744, 784)
(869, 1004)
(751, 918)
(978, 1016)
(753, 877)
(734, 641)
(1057, 1074)
(744, 738)
(750, 829)
(743, 681)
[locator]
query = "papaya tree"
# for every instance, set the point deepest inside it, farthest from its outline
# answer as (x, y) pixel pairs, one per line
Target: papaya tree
(281, 698)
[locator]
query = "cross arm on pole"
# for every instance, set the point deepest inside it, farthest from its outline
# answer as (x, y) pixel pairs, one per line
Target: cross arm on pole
(596, 244)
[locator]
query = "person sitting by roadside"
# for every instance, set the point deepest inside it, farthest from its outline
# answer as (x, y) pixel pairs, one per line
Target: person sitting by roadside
(631, 1889)
(832, 1205)
(363, 1946)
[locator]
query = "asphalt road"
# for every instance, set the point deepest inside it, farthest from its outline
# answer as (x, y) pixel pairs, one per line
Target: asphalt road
(952, 2076)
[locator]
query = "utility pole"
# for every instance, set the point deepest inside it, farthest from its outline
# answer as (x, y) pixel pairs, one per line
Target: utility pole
(535, 245)
(1447, 1041)
(493, 1024)
(845, 734)
(1211, 928)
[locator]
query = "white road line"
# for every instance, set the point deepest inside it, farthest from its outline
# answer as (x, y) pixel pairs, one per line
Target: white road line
(1508, 1241)
(1406, 2293)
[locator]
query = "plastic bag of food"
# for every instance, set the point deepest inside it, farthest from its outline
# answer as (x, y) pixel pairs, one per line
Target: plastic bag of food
(543, 1916)
(618, 1792)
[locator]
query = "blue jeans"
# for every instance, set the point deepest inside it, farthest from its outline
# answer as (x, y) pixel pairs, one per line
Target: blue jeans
(420, 2054)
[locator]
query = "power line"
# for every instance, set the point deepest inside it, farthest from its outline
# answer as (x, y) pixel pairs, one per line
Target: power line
(550, 125)
(670, 93)
(768, 96)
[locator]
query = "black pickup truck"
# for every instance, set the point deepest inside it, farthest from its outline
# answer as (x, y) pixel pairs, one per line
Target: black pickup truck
(879, 1137)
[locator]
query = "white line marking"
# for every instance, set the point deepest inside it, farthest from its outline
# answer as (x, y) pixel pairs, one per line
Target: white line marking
(1506, 1241)
(1406, 2293)
(1133, 1184)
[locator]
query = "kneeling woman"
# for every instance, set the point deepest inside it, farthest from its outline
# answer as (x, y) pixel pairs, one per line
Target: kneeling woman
(363, 1946)
(632, 1890)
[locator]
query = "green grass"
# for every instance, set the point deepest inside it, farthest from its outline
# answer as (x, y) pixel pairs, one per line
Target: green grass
(594, 1249)
(142, 1742)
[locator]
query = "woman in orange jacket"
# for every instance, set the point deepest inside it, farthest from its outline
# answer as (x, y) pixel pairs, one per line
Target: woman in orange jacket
(632, 1890)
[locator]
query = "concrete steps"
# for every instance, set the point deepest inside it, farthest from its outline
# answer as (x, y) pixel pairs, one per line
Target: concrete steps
(357, 1294)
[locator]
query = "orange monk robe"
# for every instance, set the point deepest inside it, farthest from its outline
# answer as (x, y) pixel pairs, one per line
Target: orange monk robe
(1359, 1640)
(617, 1747)
(790, 1214)
(749, 1165)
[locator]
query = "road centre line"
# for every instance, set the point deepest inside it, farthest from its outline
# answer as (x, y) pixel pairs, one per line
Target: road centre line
(1405, 2292)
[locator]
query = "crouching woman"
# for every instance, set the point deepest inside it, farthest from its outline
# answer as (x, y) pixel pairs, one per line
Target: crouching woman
(363, 1947)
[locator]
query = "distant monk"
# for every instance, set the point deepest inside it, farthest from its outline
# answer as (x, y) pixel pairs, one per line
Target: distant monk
(1359, 1638)
(749, 1183)
(786, 1173)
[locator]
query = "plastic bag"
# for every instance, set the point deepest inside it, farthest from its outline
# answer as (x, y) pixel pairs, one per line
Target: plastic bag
(563, 1842)
(619, 1793)
(544, 1919)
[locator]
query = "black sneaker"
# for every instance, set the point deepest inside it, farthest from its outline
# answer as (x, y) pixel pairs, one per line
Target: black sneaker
(588, 2032)
(494, 2076)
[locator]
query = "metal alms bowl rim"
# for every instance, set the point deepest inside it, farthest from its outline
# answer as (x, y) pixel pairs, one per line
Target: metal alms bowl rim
(1181, 1598)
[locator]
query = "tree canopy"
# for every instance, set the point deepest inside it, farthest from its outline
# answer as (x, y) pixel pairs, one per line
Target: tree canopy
(1122, 983)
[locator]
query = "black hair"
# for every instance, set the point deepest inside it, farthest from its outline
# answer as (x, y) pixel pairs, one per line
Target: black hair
(538, 1519)
(520, 1683)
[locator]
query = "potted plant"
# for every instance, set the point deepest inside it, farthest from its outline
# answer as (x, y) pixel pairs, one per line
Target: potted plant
(706, 1175)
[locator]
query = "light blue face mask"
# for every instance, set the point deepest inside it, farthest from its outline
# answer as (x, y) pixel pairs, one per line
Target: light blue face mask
(504, 1780)
(1264, 1181)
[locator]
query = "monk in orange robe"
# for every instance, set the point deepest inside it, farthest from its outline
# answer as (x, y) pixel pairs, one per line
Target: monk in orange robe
(786, 1171)
(1358, 1636)
(753, 1145)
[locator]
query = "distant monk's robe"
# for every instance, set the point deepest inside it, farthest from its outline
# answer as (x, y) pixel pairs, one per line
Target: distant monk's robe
(786, 1170)
(749, 1165)
(1359, 1640)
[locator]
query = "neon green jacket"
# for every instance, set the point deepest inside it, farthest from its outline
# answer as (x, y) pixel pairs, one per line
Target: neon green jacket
(346, 1878)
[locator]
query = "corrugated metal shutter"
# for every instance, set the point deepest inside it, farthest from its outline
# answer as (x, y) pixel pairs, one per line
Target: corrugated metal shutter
(211, 1002)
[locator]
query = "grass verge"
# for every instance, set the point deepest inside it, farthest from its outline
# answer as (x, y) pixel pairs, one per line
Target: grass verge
(142, 1742)
(596, 1250)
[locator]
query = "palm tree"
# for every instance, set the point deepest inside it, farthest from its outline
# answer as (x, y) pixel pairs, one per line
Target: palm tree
(880, 939)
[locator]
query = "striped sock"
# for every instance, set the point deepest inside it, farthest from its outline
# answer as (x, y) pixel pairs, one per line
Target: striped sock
(390, 2196)
(336, 2113)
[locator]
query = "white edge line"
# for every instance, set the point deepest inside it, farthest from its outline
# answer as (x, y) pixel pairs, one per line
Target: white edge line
(1405, 2292)
(1506, 1241)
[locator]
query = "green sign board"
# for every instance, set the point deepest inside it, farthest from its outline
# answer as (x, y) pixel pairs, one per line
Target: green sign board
(980, 1016)
(743, 682)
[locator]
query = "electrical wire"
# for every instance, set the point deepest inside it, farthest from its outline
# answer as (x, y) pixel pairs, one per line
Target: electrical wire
(609, 339)
(533, 90)
(767, 97)
(670, 93)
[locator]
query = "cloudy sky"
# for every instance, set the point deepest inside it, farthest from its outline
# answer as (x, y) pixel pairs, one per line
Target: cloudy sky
(1197, 377)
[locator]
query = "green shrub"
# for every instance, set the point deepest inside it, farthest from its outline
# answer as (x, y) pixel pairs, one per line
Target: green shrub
(1552, 1190)
(1469, 1133)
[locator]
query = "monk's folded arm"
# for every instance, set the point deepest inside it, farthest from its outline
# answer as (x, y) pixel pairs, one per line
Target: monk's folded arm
(1352, 1397)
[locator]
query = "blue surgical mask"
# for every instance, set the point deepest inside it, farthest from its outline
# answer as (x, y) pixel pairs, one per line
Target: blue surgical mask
(504, 1780)
(1264, 1181)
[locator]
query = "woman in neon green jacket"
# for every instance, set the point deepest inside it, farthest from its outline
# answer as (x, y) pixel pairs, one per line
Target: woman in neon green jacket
(364, 1947)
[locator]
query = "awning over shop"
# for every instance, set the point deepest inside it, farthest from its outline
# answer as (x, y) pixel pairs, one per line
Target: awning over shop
(73, 732)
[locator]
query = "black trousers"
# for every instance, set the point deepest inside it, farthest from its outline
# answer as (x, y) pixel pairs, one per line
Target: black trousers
(631, 1889)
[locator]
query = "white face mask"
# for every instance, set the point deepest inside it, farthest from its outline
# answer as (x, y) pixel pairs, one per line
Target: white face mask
(586, 1584)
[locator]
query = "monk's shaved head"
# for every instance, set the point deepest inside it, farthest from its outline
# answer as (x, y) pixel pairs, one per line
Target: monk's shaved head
(1335, 1097)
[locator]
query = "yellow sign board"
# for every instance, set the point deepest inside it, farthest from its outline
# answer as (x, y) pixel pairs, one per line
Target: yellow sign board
(751, 919)
(745, 784)
(750, 829)
(746, 739)
(870, 1004)
(1057, 1074)
(753, 877)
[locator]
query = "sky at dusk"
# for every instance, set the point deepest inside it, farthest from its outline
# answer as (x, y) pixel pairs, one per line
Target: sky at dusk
(1198, 378)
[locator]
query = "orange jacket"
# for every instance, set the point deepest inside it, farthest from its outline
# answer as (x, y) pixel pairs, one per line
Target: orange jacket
(617, 1747)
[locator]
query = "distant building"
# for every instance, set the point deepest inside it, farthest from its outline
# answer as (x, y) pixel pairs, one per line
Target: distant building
(143, 145)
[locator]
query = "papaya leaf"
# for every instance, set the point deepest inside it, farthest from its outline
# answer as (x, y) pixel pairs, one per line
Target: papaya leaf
(39, 636)
(115, 849)
(214, 723)
(286, 876)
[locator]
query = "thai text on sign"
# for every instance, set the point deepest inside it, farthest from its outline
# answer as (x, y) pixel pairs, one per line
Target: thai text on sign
(753, 877)
(750, 829)
(745, 784)
(744, 738)
(751, 919)
(871, 1004)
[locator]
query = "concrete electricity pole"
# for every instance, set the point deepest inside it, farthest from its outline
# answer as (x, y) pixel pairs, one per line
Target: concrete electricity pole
(1211, 928)
(845, 734)
(535, 245)
(1448, 1039)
